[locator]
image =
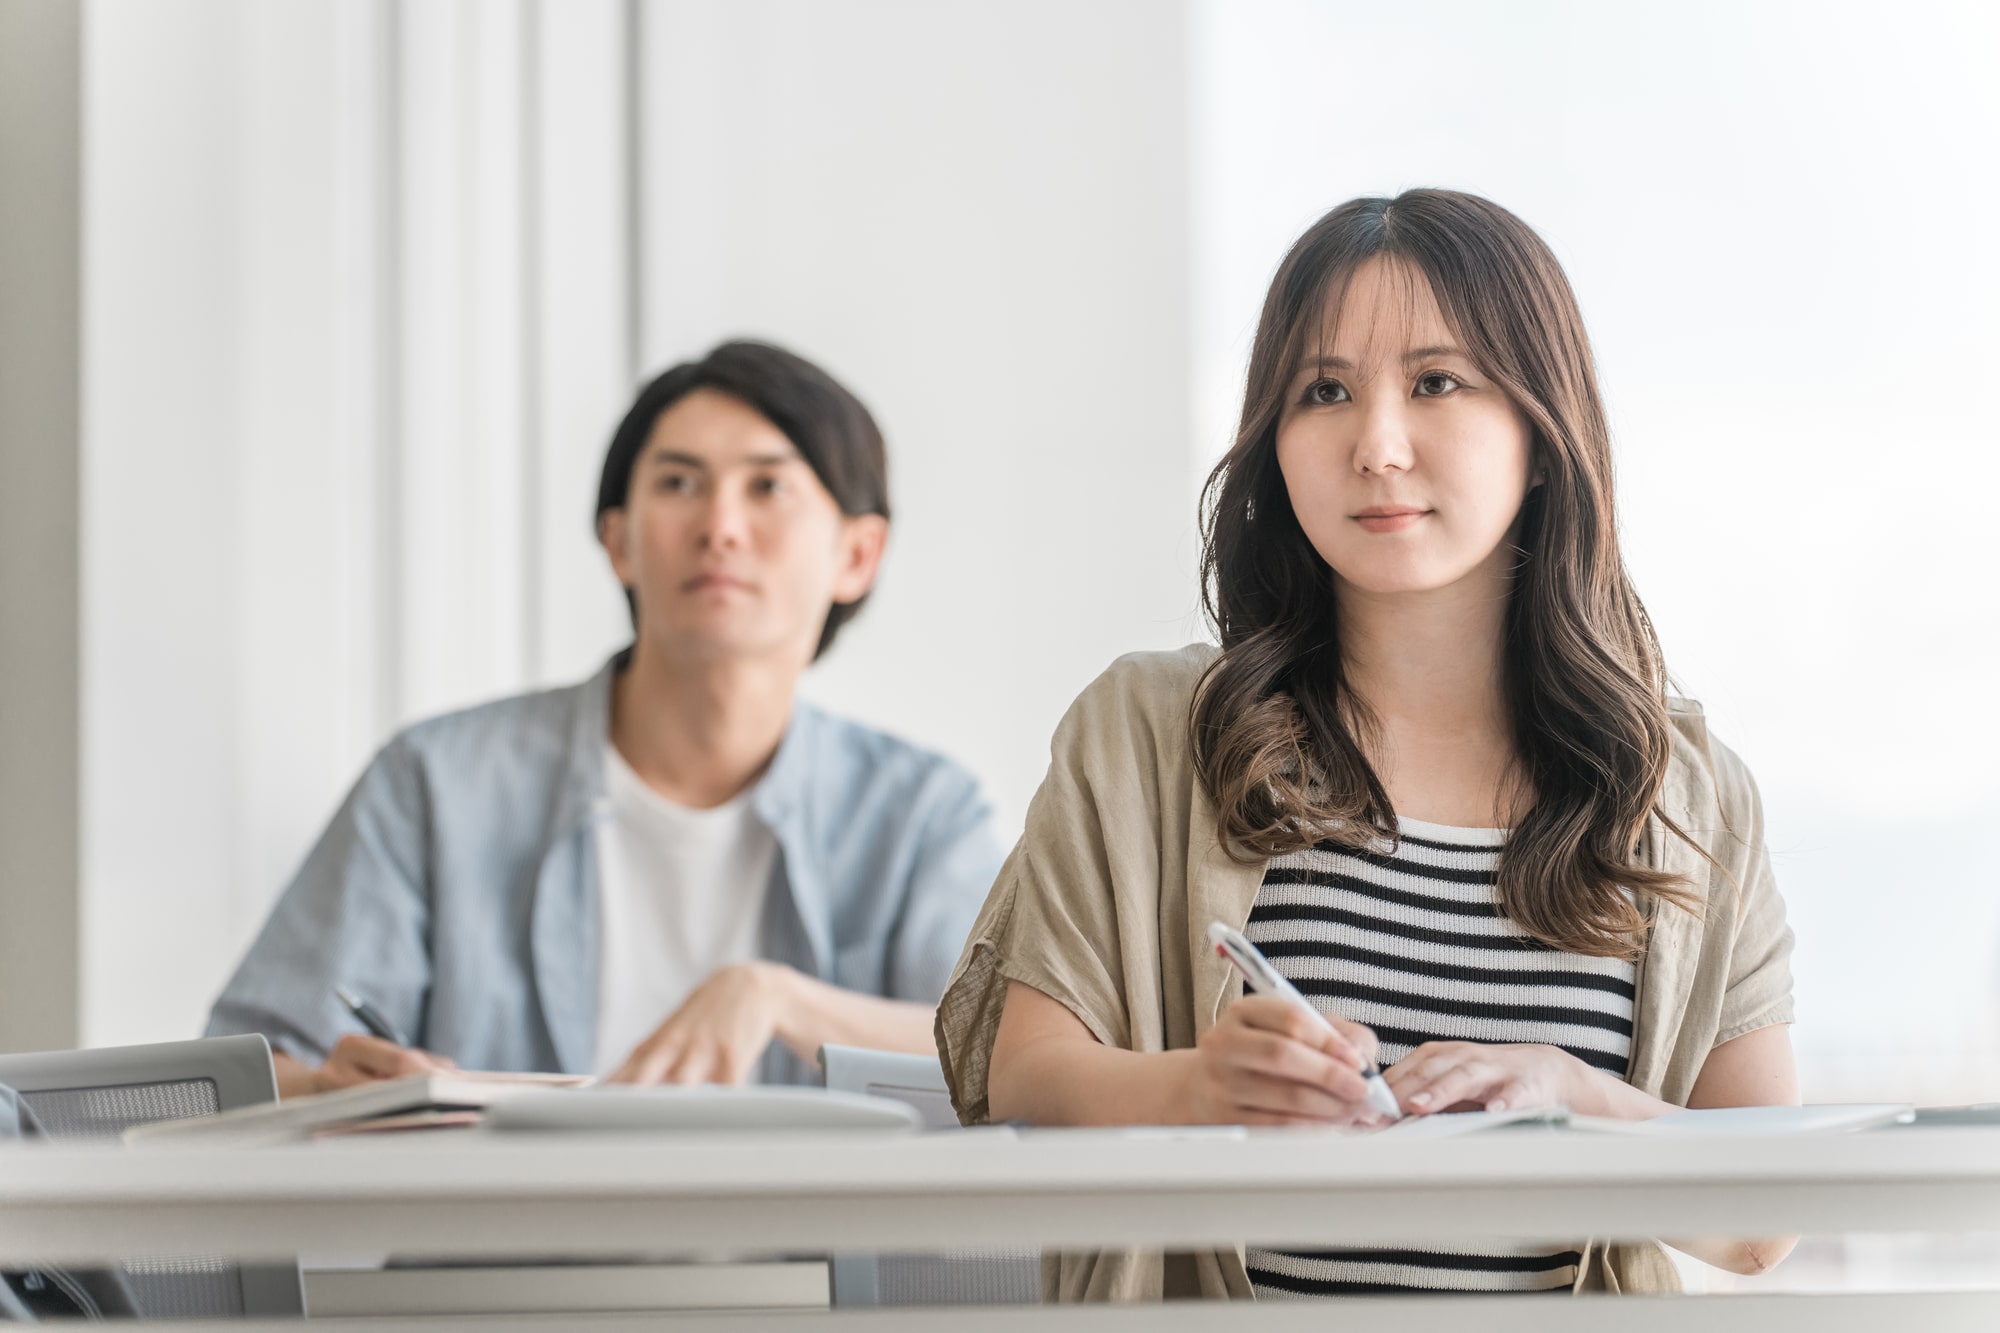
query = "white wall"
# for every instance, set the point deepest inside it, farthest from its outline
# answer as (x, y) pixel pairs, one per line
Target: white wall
(365, 297)
(160, 484)
(1779, 220)
(976, 216)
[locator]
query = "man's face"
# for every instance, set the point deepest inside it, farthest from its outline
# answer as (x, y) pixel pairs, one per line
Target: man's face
(730, 543)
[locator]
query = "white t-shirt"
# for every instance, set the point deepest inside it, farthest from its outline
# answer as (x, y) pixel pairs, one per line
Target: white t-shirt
(681, 894)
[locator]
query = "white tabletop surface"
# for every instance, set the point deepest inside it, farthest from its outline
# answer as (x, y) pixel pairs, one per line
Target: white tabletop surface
(468, 1193)
(1944, 1312)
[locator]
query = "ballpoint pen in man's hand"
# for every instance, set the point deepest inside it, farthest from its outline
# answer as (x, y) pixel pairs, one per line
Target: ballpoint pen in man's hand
(371, 1017)
(1267, 980)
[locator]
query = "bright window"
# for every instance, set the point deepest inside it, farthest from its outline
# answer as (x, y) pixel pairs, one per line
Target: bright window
(1779, 220)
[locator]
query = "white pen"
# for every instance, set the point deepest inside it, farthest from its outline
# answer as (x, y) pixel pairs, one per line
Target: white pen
(1267, 980)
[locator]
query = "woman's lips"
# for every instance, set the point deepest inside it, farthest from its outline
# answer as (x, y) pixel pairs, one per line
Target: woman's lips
(1389, 518)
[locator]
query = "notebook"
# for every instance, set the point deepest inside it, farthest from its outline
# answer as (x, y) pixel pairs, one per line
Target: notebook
(303, 1117)
(1720, 1122)
(1739, 1121)
(702, 1109)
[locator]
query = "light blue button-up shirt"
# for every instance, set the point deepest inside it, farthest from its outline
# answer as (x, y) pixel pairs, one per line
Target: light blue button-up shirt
(457, 889)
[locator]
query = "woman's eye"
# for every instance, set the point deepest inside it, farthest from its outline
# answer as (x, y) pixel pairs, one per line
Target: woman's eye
(1324, 393)
(1436, 383)
(676, 483)
(766, 486)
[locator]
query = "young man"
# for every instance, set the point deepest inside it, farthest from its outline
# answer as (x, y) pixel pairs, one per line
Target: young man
(676, 871)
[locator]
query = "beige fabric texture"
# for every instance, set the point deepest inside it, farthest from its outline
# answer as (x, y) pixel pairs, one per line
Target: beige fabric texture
(1105, 901)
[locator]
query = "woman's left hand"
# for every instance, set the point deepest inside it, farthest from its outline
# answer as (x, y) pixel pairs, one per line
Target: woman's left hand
(1473, 1076)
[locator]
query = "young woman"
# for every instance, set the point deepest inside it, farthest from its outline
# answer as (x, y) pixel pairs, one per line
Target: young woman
(1433, 771)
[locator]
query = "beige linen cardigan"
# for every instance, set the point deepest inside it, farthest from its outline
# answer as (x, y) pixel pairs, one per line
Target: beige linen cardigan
(1104, 902)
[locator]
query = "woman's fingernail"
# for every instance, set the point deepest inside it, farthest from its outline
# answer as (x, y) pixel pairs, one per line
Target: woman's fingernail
(1421, 1099)
(1497, 1104)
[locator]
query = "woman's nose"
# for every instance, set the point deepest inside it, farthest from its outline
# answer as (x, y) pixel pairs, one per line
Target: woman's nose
(1384, 442)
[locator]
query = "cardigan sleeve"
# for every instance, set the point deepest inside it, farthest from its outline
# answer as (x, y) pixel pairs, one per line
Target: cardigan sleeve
(1077, 909)
(1048, 922)
(1758, 992)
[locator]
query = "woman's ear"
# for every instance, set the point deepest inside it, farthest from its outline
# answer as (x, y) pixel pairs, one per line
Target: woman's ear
(863, 539)
(1538, 457)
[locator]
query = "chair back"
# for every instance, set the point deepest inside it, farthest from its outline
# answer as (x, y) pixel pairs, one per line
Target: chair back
(99, 1094)
(993, 1275)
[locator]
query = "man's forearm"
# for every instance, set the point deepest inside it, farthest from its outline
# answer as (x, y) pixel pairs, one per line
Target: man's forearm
(294, 1079)
(813, 1013)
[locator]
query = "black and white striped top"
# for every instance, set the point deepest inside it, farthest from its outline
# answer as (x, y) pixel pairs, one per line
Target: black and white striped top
(1411, 943)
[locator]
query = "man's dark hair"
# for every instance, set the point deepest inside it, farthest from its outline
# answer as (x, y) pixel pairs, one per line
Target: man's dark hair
(828, 425)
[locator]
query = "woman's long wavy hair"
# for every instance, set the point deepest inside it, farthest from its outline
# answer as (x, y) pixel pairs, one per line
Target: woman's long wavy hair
(1276, 723)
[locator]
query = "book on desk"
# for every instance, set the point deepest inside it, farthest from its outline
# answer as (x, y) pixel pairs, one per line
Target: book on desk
(580, 1288)
(536, 1103)
(420, 1101)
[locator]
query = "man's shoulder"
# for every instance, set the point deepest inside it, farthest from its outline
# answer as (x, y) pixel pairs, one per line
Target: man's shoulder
(534, 729)
(870, 756)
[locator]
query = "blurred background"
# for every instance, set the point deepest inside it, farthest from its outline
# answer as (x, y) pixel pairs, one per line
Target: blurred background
(316, 316)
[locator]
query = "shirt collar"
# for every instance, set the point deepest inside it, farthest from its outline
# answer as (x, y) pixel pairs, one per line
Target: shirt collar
(589, 732)
(782, 798)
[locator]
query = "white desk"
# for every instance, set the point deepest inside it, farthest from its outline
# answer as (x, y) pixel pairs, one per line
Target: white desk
(1946, 1313)
(476, 1195)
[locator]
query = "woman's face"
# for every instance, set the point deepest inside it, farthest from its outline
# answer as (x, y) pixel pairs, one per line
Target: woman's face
(1405, 465)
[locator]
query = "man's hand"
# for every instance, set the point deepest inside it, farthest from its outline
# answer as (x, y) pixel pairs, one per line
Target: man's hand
(358, 1059)
(1474, 1076)
(1266, 1063)
(719, 1032)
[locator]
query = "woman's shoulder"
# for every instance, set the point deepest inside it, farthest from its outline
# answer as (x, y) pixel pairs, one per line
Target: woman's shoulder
(1705, 778)
(1167, 675)
(1134, 717)
(1146, 689)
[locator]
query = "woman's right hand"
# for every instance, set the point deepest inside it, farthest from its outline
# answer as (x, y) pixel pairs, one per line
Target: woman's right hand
(358, 1059)
(1266, 1063)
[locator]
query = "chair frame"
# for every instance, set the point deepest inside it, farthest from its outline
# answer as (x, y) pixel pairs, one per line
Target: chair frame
(857, 1278)
(243, 1074)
